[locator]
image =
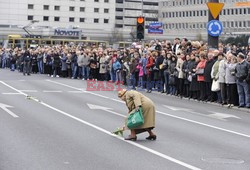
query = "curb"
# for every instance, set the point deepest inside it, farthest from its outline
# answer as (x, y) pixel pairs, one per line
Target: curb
(247, 110)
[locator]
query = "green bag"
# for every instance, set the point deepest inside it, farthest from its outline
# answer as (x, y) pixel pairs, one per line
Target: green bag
(135, 119)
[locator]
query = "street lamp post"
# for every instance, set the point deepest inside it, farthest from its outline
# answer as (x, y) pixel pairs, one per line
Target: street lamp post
(213, 42)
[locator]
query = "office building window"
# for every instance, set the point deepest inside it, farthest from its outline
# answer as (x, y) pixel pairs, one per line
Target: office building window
(82, 20)
(45, 7)
(119, 9)
(202, 13)
(224, 12)
(240, 11)
(118, 25)
(96, 20)
(57, 8)
(244, 24)
(96, 10)
(45, 18)
(205, 13)
(82, 9)
(30, 17)
(82, 0)
(232, 24)
(106, 21)
(240, 24)
(30, 6)
(232, 11)
(106, 10)
(56, 18)
(119, 17)
(106, 1)
(71, 19)
(96, 0)
(71, 8)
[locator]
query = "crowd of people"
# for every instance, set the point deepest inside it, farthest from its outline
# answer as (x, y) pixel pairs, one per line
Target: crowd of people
(182, 68)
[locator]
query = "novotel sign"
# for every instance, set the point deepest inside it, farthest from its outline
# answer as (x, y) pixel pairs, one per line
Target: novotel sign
(67, 32)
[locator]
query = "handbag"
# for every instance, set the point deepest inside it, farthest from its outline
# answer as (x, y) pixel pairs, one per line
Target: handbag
(190, 78)
(200, 71)
(135, 119)
(215, 86)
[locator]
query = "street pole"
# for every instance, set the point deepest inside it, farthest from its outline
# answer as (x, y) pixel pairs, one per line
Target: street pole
(142, 41)
(213, 42)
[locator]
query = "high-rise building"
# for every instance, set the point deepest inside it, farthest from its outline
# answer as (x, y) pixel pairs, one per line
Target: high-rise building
(189, 18)
(128, 10)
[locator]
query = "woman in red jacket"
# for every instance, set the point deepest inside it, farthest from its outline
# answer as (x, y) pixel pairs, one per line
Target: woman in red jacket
(200, 75)
(149, 69)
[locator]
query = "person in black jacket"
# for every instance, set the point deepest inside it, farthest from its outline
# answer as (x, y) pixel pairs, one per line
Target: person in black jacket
(242, 71)
(207, 75)
(56, 64)
(13, 59)
(26, 63)
(34, 62)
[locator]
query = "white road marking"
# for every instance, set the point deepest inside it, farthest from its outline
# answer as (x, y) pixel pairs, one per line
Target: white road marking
(222, 116)
(109, 133)
(176, 108)
(181, 118)
(204, 124)
(21, 80)
(52, 91)
(11, 93)
(97, 107)
(30, 91)
(76, 92)
(5, 108)
(191, 111)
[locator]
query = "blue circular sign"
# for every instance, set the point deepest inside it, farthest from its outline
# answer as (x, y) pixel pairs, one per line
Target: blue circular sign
(214, 28)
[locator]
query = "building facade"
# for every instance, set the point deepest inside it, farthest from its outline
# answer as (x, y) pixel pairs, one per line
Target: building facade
(94, 19)
(128, 10)
(189, 18)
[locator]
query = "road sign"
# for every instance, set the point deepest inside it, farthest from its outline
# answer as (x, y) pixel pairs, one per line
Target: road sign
(214, 28)
(155, 25)
(155, 31)
(215, 8)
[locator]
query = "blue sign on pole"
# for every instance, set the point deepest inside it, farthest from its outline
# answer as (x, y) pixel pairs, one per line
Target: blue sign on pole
(155, 25)
(214, 28)
(155, 31)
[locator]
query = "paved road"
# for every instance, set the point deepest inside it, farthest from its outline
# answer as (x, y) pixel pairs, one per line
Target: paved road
(54, 123)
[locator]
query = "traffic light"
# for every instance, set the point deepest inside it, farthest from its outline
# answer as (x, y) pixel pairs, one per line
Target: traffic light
(140, 28)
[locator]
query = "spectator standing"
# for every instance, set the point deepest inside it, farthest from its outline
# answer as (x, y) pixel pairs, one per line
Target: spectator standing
(230, 80)
(26, 63)
(208, 79)
(222, 79)
(242, 71)
(200, 75)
